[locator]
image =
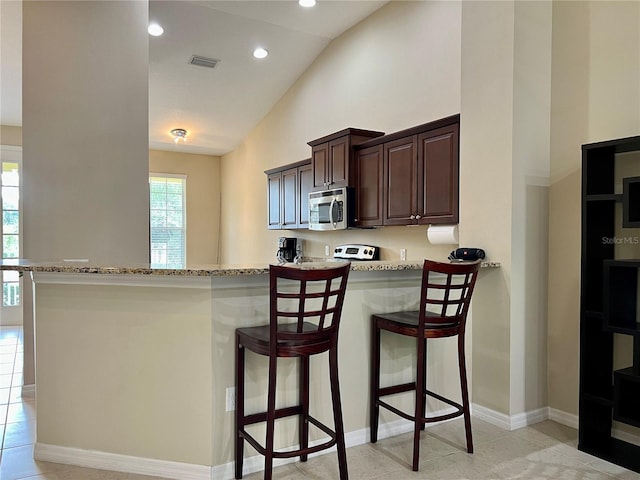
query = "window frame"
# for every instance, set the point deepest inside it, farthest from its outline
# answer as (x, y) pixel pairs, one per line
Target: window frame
(182, 177)
(12, 154)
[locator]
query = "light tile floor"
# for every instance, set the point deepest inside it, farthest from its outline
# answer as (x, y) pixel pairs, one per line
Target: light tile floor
(542, 451)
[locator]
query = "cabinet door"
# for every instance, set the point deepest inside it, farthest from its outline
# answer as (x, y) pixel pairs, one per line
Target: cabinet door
(320, 162)
(273, 194)
(289, 198)
(369, 191)
(338, 173)
(400, 181)
(305, 185)
(438, 170)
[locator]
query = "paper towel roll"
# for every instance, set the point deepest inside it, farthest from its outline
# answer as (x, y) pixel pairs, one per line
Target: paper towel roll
(443, 234)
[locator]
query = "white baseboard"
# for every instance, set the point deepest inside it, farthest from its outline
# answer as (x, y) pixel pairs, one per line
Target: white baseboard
(510, 422)
(185, 471)
(564, 418)
(121, 463)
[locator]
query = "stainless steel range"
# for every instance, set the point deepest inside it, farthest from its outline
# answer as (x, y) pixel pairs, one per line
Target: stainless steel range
(356, 252)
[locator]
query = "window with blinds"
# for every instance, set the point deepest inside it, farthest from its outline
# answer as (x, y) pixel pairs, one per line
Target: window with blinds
(168, 230)
(10, 181)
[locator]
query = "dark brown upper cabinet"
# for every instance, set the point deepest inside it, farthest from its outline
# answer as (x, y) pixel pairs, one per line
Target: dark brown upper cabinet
(305, 185)
(332, 157)
(438, 159)
(401, 178)
(288, 190)
(368, 186)
(416, 171)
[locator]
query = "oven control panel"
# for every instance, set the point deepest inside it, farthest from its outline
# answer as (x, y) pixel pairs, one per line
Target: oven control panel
(357, 252)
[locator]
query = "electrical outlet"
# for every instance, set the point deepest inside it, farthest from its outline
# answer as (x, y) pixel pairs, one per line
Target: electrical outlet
(231, 399)
(326, 251)
(403, 254)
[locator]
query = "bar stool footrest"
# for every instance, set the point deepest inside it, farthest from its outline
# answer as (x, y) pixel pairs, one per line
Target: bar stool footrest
(405, 388)
(298, 452)
(279, 413)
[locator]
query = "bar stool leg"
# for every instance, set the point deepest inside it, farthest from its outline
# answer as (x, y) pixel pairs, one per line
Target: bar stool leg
(465, 392)
(271, 417)
(239, 418)
(374, 409)
(424, 385)
(337, 413)
(418, 422)
(304, 402)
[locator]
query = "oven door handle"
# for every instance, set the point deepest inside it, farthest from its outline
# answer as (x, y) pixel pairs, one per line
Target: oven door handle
(333, 221)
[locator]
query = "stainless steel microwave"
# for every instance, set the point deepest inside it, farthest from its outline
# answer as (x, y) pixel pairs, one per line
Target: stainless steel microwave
(331, 209)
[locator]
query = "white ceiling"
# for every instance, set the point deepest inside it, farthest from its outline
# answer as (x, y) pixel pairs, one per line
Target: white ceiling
(219, 106)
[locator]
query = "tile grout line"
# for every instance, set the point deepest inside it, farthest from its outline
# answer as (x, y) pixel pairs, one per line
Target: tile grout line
(11, 387)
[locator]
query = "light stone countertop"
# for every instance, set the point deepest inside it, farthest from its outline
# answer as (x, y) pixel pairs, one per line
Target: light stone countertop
(22, 265)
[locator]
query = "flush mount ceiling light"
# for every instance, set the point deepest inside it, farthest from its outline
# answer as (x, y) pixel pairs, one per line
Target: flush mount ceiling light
(260, 52)
(179, 133)
(155, 30)
(307, 3)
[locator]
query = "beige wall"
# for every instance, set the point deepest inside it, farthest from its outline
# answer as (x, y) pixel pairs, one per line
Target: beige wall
(530, 210)
(595, 96)
(203, 200)
(412, 76)
(485, 186)
(203, 194)
(486, 61)
(433, 59)
(137, 368)
(10, 135)
(85, 131)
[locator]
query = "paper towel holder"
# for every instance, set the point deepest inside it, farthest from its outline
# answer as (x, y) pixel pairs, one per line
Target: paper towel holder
(443, 234)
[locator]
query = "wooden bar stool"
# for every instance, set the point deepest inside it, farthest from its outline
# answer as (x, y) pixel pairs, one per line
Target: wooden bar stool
(305, 310)
(444, 304)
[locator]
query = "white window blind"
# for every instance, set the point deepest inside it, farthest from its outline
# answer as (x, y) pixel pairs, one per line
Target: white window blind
(168, 220)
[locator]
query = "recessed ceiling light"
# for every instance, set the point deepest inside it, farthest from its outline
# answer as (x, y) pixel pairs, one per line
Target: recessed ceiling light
(155, 29)
(307, 3)
(260, 52)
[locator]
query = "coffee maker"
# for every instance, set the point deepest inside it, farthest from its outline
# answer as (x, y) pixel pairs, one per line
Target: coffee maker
(289, 250)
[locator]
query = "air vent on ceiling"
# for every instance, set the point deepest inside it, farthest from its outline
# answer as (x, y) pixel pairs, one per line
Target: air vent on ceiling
(203, 61)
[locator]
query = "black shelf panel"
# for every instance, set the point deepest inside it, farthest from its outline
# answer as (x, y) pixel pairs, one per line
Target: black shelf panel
(605, 401)
(620, 288)
(612, 450)
(631, 202)
(626, 396)
(608, 305)
(605, 197)
(620, 145)
(593, 315)
(633, 330)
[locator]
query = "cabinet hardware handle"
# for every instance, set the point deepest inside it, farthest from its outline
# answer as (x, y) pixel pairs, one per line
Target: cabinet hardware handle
(418, 217)
(412, 217)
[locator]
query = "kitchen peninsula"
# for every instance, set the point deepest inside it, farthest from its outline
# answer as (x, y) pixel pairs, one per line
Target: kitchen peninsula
(133, 364)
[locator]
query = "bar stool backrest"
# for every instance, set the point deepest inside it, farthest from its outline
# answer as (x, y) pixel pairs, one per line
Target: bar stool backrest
(305, 309)
(446, 292)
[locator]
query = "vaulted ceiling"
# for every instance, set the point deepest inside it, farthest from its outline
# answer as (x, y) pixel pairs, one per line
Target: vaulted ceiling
(219, 106)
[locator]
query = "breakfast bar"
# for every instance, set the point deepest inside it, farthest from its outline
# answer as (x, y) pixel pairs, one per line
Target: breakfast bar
(135, 366)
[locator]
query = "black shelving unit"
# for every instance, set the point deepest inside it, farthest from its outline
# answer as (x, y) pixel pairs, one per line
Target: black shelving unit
(608, 303)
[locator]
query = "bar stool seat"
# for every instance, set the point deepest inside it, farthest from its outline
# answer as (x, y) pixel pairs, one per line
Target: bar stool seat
(446, 290)
(304, 318)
